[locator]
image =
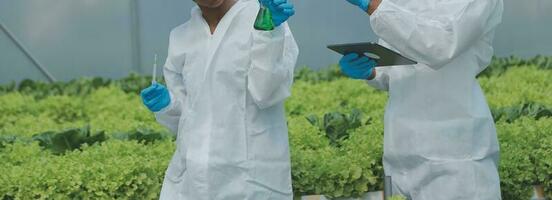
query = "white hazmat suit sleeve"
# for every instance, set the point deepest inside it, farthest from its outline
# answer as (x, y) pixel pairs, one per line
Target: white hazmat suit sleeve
(170, 115)
(381, 81)
(439, 34)
(273, 58)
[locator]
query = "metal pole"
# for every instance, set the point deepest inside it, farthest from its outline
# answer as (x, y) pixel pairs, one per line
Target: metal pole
(37, 64)
(387, 188)
(136, 49)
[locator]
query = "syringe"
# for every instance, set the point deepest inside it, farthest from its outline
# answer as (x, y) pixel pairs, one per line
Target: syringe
(154, 78)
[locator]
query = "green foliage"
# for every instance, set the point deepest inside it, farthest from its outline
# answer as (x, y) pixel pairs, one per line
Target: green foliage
(71, 139)
(533, 110)
(526, 156)
(308, 75)
(113, 170)
(23, 115)
(517, 86)
(397, 197)
(41, 90)
(320, 168)
(338, 153)
(135, 83)
(145, 136)
(341, 95)
(337, 126)
(68, 140)
(132, 84)
(11, 87)
(107, 109)
(113, 110)
(499, 66)
(7, 140)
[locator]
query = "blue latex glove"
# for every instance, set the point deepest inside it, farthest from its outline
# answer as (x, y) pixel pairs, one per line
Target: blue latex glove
(281, 10)
(156, 97)
(357, 67)
(362, 4)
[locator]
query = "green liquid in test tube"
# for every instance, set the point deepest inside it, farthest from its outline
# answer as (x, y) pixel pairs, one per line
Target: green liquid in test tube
(264, 19)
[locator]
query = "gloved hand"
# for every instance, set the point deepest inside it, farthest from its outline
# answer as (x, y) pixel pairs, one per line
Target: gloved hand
(362, 4)
(357, 67)
(281, 10)
(156, 97)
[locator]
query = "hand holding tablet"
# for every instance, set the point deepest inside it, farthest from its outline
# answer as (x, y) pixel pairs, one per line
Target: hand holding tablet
(383, 56)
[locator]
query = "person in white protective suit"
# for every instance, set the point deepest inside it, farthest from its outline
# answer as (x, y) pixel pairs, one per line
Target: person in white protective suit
(226, 86)
(440, 140)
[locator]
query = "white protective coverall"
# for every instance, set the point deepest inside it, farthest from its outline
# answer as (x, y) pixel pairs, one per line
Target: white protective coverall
(227, 91)
(440, 138)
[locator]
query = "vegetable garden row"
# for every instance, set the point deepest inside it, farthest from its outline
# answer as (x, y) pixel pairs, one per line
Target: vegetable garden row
(76, 140)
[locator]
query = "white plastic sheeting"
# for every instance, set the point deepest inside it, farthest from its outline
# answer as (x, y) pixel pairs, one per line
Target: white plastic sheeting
(75, 38)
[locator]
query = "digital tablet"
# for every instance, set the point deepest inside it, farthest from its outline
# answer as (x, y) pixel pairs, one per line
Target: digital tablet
(383, 56)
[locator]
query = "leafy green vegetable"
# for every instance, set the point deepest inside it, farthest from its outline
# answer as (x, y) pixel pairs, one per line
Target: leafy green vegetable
(130, 164)
(320, 168)
(526, 156)
(68, 140)
(329, 74)
(499, 66)
(337, 125)
(530, 109)
(146, 136)
(112, 170)
(6, 140)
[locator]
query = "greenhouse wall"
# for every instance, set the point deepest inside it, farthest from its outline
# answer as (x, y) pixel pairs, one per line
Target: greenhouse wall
(75, 38)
